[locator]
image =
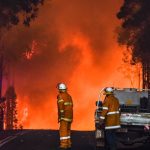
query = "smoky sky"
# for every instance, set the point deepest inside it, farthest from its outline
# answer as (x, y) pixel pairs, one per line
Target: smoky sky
(57, 54)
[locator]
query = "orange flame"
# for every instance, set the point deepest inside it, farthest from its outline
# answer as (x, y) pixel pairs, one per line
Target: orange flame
(31, 51)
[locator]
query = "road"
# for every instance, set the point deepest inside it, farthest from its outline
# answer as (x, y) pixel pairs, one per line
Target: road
(47, 140)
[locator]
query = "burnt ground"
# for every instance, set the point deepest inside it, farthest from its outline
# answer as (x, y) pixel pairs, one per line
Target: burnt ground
(48, 140)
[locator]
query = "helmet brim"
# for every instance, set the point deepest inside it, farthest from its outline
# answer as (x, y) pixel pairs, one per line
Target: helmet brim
(106, 93)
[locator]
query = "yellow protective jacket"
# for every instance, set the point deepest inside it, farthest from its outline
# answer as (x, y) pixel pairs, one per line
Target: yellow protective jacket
(111, 112)
(65, 107)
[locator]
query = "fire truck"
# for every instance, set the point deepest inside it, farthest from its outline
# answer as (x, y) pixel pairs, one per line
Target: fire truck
(134, 117)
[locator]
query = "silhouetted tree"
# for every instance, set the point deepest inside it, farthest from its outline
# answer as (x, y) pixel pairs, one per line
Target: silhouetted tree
(12, 11)
(135, 33)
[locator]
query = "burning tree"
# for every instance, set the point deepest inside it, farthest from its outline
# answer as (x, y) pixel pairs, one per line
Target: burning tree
(11, 109)
(135, 34)
(11, 13)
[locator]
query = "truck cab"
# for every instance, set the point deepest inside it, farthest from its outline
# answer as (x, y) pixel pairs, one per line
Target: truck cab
(135, 118)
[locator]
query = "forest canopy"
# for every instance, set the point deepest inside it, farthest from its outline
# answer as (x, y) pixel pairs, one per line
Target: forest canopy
(14, 11)
(134, 32)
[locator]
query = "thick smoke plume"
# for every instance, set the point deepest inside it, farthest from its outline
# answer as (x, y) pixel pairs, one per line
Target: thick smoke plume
(72, 41)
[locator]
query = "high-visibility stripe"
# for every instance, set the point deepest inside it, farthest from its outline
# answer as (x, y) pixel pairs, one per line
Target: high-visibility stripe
(105, 108)
(61, 111)
(61, 100)
(66, 119)
(65, 137)
(68, 103)
(101, 117)
(113, 112)
(112, 127)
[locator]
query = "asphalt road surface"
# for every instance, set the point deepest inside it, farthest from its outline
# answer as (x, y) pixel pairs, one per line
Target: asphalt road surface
(47, 140)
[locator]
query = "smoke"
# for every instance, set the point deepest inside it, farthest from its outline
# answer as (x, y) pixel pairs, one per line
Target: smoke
(75, 44)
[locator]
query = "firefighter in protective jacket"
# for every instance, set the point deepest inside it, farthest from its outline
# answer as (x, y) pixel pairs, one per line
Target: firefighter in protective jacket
(110, 115)
(65, 116)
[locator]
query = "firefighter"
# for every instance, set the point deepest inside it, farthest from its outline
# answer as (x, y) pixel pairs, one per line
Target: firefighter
(110, 117)
(65, 116)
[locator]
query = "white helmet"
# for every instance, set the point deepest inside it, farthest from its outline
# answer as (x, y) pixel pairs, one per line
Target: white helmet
(61, 86)
(109, 90)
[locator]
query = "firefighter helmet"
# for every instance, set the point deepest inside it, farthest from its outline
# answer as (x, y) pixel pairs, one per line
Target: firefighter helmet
(61, 86)
(108, 90)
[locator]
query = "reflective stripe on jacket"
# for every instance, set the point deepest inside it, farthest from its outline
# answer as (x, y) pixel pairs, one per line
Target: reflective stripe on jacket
(111, 112)
(65, 107)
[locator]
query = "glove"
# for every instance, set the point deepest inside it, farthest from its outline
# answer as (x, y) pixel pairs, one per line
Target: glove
(101, 124)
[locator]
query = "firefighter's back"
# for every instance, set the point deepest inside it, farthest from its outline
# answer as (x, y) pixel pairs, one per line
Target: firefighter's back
(68, 105)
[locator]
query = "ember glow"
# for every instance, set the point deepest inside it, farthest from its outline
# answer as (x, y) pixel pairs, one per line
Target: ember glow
(77, 45)
(29, 53)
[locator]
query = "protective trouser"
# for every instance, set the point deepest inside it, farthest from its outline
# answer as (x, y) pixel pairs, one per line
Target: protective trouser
(110, 139)
(65, 134)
